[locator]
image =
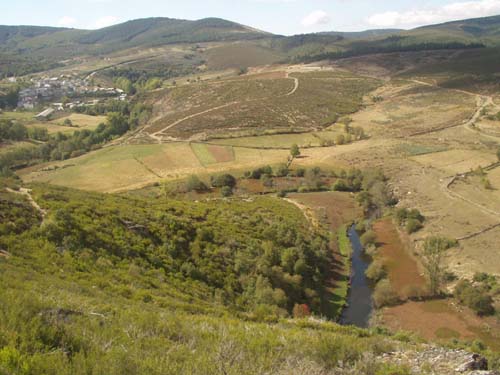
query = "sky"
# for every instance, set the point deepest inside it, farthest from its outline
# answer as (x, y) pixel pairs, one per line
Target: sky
(284, 17)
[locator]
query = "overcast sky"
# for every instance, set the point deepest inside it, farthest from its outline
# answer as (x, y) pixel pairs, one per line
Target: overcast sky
(277, 16)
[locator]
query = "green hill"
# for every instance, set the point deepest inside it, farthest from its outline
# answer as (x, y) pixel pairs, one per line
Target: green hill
(141, 32)
(113, 284)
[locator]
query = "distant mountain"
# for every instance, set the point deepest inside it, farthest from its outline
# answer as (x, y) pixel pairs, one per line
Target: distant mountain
(25, 49)
(484, 30)
(363, 34)
(141, 32)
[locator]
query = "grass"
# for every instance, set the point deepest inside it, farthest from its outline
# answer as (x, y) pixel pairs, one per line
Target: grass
(80, 121)
(208, 154)
(119, 168)
(411, 149)
(104, 281)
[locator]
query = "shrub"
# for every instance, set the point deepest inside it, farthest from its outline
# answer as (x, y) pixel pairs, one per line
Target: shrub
(267, 181)
(256, 174)
(340, 139)
(300, 172)
(226, 191)
(384, 295)
(282, 194)
(486, 183)
(301, 311)
(223, 180)
(368, 238)
(376, 271)
(282, 170)
(401, 215)
(294, 151)
(413, 225)
(340, 185)
(194, 183)
(477, 298)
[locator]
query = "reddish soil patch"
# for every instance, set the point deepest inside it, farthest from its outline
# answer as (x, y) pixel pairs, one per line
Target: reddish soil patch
(442, 319)
(221, 154)
(403, 271)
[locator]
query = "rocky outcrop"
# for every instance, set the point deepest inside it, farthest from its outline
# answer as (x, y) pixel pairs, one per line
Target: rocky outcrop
(440, 361)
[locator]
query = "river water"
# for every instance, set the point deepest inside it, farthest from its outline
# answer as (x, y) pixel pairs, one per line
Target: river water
(359, 301)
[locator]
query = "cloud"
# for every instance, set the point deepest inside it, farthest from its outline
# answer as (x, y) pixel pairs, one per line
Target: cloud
(426, 16)
(105, 22)
(318, 17)
(66, 21)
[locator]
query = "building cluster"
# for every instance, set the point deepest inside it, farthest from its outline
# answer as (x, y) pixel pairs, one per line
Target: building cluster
(46, 89)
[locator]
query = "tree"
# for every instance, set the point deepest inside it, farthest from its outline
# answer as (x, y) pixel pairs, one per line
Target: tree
(294, 151)
(226, 191)
(194, 183)
(434, 247)
(301, 311)
(223, 180)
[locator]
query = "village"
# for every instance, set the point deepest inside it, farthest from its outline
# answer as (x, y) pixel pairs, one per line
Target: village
(64, 92)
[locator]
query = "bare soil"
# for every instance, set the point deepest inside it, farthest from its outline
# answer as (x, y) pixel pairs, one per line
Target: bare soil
(403, 270)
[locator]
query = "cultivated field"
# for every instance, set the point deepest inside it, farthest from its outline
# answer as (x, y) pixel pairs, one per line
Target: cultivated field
(120, 168)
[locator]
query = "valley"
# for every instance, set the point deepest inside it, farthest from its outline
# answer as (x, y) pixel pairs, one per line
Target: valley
(220, 209)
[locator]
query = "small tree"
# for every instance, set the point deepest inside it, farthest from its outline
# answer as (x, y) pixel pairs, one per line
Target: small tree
(434, 248)
(294, 151)
(368, 238)
(498, 154)
(194, 183)
(226, 191)
(301, 311)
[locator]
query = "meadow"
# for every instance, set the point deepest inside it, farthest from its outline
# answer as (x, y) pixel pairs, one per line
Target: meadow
(79, 121)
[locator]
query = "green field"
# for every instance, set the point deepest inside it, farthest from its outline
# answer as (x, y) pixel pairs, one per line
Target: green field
(79, 121)
(119, 168)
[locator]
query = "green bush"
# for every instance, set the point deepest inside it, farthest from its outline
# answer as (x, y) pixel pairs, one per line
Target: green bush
(223, 180)
(384, 294)
(226, 191)
(194, 183)
(475, 297)
(282, 170)
(368, 238)
(413, 225)
(376, 271)
(300, 172)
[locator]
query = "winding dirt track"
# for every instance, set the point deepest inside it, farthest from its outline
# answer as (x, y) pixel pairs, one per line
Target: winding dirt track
(157, 136)
(27, 193)
(483, 101)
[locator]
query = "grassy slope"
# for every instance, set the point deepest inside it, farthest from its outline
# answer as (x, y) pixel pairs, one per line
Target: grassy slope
(85, 294)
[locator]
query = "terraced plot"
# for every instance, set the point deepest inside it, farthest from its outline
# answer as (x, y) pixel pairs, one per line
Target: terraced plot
(118, 168)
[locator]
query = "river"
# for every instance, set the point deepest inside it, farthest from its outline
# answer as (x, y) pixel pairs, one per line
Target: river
(359, 301)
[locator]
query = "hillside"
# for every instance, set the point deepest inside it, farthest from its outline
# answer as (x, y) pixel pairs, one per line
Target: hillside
(120, 284)
(141, 32)
(34, 49)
